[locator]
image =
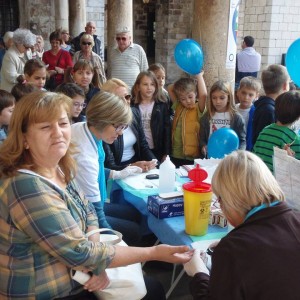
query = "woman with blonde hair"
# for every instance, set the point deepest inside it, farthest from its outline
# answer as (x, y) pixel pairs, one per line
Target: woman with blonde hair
(44, 216)
(87, 43)
(107, 118)
(254, 259)
(130, 148)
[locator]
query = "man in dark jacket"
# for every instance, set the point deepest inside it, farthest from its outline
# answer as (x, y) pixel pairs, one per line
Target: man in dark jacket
(90, 28)
(275, 80)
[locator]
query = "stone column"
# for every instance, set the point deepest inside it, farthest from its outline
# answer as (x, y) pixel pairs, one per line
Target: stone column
(119, 14)
(61, 14)
(77, 16)
(210, 29)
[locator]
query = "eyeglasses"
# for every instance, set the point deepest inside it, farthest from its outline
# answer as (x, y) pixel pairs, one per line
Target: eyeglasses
(127, 97)
(77, 104)
(121, 38)
(26, 47)
(86, 43)
(120, 128)
(66, 33)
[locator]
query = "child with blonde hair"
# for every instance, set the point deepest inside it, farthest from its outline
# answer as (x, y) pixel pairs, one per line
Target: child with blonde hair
(154, 114)
(186, 122)
(221, 113)
(247, 93)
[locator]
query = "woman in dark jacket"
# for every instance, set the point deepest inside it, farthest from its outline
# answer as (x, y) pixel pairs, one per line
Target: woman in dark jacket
(131, 148)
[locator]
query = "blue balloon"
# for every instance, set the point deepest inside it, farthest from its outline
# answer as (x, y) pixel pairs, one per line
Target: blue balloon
(292, 61)
(189, 56)
(223, 141)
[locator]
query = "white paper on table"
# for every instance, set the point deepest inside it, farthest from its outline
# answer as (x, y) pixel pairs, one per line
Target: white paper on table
(287, 174)
(139, 181)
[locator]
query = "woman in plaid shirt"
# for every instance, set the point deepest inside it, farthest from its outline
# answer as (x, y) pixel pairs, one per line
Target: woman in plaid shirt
(43, 216)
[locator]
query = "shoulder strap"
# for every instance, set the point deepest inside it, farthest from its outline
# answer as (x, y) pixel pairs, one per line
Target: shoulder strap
(59, 58)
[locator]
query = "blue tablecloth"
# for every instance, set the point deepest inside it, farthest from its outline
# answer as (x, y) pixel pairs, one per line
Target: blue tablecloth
(169, 230)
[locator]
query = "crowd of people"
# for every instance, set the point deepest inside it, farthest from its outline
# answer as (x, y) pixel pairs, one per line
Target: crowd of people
(68, 125)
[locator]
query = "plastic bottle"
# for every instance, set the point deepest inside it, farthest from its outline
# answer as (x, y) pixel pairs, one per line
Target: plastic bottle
(167, 176)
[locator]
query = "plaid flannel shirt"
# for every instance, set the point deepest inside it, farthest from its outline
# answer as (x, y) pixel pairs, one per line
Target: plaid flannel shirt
(42, 238)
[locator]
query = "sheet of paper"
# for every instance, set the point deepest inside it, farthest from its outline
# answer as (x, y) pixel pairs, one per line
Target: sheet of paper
(139, 181)
(287, 174)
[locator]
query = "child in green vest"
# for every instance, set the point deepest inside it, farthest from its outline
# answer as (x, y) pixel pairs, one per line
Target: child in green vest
(186, 124)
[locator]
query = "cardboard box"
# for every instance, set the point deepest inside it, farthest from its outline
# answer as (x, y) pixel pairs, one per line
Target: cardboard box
(165, 208)
(216, 216)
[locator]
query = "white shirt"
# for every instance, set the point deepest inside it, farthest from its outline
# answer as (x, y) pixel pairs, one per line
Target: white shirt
(128, 64)
(146, 113)
(219, 120)
(248, 60)
(244, 113)
(129, 140)
(86, 157)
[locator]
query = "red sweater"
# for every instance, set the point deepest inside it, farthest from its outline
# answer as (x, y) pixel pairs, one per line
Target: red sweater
(65, 61)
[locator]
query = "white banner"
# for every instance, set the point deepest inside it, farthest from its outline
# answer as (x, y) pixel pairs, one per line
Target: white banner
(232, 34)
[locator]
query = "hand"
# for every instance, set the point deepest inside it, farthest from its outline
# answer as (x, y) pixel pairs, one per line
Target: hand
(173, 254)
(146, 165)
(59, 70)
(288, 149)
(128, 171)
(204, 151)
(97, 282)
(196, 264)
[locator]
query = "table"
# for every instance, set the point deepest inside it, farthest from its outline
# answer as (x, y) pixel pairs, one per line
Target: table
(169, 230)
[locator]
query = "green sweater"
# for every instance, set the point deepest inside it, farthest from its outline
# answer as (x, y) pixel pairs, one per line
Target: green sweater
(275, 135)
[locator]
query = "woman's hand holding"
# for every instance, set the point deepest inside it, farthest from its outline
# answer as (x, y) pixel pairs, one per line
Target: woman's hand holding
(196, 264)
(59, 70)
(145, 165)
(97, 282)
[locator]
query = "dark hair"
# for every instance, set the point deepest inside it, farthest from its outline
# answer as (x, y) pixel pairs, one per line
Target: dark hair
(32, 65)
(55, 35)
(287, 107)
(249, 41)
(6, 99)
(83, 64)
(70, 89)
(22, 88)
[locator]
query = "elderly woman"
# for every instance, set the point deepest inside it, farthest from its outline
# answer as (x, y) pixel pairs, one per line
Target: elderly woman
(130, 148)
(44, 217)
(8, 42)
(58, 61)
(15, 58)
(86, 44)
(260, 258)
(38, 49)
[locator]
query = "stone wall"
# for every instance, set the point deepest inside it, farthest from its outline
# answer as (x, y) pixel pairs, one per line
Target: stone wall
(174, 21)
(95, 11)
(274, 24)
